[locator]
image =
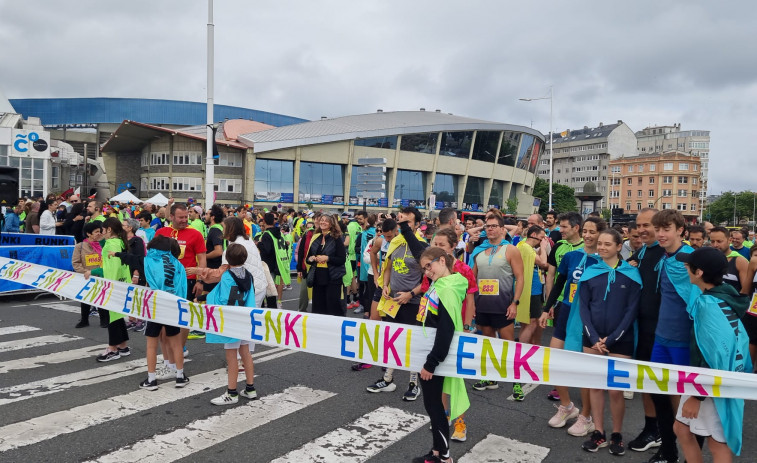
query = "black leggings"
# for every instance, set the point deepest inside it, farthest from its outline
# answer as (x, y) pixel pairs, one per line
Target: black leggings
(117, 333)
(432, 400)
(85, 309)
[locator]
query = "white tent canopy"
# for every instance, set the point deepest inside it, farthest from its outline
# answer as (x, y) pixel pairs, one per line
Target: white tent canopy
(126, 197)
(158, 200)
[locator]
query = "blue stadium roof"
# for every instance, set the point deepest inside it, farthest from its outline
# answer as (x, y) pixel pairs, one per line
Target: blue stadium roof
(55, 111)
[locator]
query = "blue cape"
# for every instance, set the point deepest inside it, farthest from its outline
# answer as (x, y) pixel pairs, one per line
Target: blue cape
(723, 348)
(164, 272)
(483, 247)
(574, 330)
(678, 275)
(220, 296)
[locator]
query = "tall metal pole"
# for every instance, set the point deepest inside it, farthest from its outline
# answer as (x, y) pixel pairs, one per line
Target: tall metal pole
(209, 165)
(551, 165)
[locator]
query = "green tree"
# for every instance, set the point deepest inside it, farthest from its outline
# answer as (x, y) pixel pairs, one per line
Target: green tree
(512, 206)
(606, 214)
(723, 209)
(563, 197)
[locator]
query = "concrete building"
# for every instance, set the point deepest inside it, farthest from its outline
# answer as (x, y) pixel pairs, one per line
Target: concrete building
(583, 155)
(663, 138)
(670, 180)
(465, 163)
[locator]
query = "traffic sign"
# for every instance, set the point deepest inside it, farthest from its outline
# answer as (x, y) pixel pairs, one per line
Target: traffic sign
(369, 161)
(371, 170)
(371, 194)
(372, 178)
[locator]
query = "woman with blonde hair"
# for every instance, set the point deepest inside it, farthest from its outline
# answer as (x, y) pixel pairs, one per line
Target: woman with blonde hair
(328, 255)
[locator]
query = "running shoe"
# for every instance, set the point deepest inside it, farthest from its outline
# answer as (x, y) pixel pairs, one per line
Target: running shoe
(108, 356)
(140, 326)
(660, 458)
(382, 386)
(461, 430)
(628, 395)
(412, 393)
(645, 441)
(484, 384)
(352, 305)
(361, 366)
(595, 442)
(125, 352)
(185, 351)
(518, 394)
(359, 309)
(82, 324)
(225, 399)
(582, 427)
(182, 381)
(563, 415)
(252, 394)
(196, 335)
(93, 312)
(616, 444)
(130, 325)
(428, 458)
(149, 385)
(553, 395)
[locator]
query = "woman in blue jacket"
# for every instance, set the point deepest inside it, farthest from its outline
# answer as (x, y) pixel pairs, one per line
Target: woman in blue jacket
(608, 299)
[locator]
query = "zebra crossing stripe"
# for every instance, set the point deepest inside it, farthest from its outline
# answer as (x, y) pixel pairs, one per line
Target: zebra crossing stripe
(497, 449)
(17, 329)
(354, 442)
(75, 419)
(63, 307)
(205, 433)
(9, 346)
(49, 359)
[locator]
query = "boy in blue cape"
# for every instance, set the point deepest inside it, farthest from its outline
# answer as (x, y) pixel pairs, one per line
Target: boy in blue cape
(721, 342)
(235, 288)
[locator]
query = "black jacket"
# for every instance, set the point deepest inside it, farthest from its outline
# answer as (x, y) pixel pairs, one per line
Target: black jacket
(337, 255)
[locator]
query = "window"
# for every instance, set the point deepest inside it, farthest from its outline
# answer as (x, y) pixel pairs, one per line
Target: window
(630, 181)
(485, 148)
(509, 148)
(411, 186)
(273, 177)
(639, 193)
(639, 181)
(628, 206)
(638, 206)
(630, 168)
(379, 142)
(693, 207)
(616, 169)
(159, 159)
(231, 185)
(683, 166)
(184, 158)
(474, 192)
(683, 179)
(696, 167)
(628, 193)
(667, 179)
(693, 180)
(681, 206)
(666, 193)
(230, 159)
(319, 179)
(55, 175)
(159, 183)
(683, 193)
(652, 167)
(145, 158)
(143, 184)
(187, 183)
(667, 166)
(667, 205)
(651, 180)
(524, 153)
(456, 144)
(419, 142)
(641, 167)
(651, 193)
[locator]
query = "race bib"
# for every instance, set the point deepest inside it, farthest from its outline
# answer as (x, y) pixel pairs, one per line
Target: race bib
(488, 287)
(422, 310)
(753, 306)
(572, 293)
(183, 247)
(93, 260)
(391, 308)
(322, 265)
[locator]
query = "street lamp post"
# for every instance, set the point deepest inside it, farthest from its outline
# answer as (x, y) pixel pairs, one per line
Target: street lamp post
(210, 133)
(551, 159)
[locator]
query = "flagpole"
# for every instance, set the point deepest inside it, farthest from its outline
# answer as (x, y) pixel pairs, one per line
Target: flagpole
(209, 165)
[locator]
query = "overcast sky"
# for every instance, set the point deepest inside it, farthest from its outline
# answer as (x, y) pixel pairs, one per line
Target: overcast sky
(645, 62)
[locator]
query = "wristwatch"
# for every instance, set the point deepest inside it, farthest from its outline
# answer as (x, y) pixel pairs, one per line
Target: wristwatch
(516, 302)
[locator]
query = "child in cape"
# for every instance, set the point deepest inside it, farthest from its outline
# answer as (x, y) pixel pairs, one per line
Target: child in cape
(441, 308)
(164, 272)
(235, 288)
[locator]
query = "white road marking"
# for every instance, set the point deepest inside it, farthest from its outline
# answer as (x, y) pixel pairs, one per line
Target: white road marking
(202, 434)
(63, 307)
(48, 426)
(527, 388)
(9, 346)
(496, 449)
(49, 359)
(359, 440)
(17, 329)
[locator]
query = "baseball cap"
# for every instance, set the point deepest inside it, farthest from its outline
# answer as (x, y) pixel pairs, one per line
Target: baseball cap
(709, 260)
(198, 209)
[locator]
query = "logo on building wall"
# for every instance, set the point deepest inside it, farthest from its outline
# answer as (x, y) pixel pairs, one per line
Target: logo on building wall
(24, 141)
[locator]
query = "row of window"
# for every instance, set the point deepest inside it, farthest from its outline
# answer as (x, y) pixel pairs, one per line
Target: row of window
(653, 193)
(194, 184)
(185, 158)
(679, 206)
(573, 149)
(683, 166)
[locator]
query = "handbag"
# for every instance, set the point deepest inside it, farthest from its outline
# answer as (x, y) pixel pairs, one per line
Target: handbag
(311, 276)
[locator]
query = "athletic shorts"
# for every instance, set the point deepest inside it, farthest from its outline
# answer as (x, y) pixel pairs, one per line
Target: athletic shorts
(536, 307)
(561, 322)
(623, 347)
(239, 343)
(707, 423)
(152, 330)
(377, 294)
(670, 355)
(493, 320)
(750, 325)
(405, 315)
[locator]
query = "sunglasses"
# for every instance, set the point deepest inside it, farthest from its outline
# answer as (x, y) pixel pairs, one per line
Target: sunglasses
(427, 267)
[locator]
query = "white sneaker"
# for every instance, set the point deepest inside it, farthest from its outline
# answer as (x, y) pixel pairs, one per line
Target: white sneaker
(225, 399)
(164, 373)
(582, 427)
(563, 415)
(628, 395)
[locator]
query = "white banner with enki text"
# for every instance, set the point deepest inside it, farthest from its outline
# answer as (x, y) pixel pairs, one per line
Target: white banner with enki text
(382, 343)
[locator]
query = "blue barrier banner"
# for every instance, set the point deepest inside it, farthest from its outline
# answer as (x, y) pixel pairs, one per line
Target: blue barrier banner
(51, 256)
(32, 239)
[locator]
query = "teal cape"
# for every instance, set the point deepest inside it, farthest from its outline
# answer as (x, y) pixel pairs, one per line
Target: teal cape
(678, 275)
(483, 247)
(220, 296)
(164, 272)
(574, 330)
(726, 348)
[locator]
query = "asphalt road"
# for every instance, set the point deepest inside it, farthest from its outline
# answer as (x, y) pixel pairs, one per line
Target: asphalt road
(58, 404)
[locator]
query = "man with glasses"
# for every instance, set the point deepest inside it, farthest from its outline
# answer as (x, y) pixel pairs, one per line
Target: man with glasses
(498, 268)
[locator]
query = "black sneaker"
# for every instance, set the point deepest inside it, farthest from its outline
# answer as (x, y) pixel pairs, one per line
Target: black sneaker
(645, 441)
(616, 444)
(382, 386)
(149, 385)
(183, 381)
(596, 442)
(427, 458)
(82, 324)
(412, 393)
(108, 356)
(125, 352)
(660, 458)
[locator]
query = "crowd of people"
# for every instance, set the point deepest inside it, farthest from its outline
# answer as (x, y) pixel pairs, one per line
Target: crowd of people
(655, 290)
